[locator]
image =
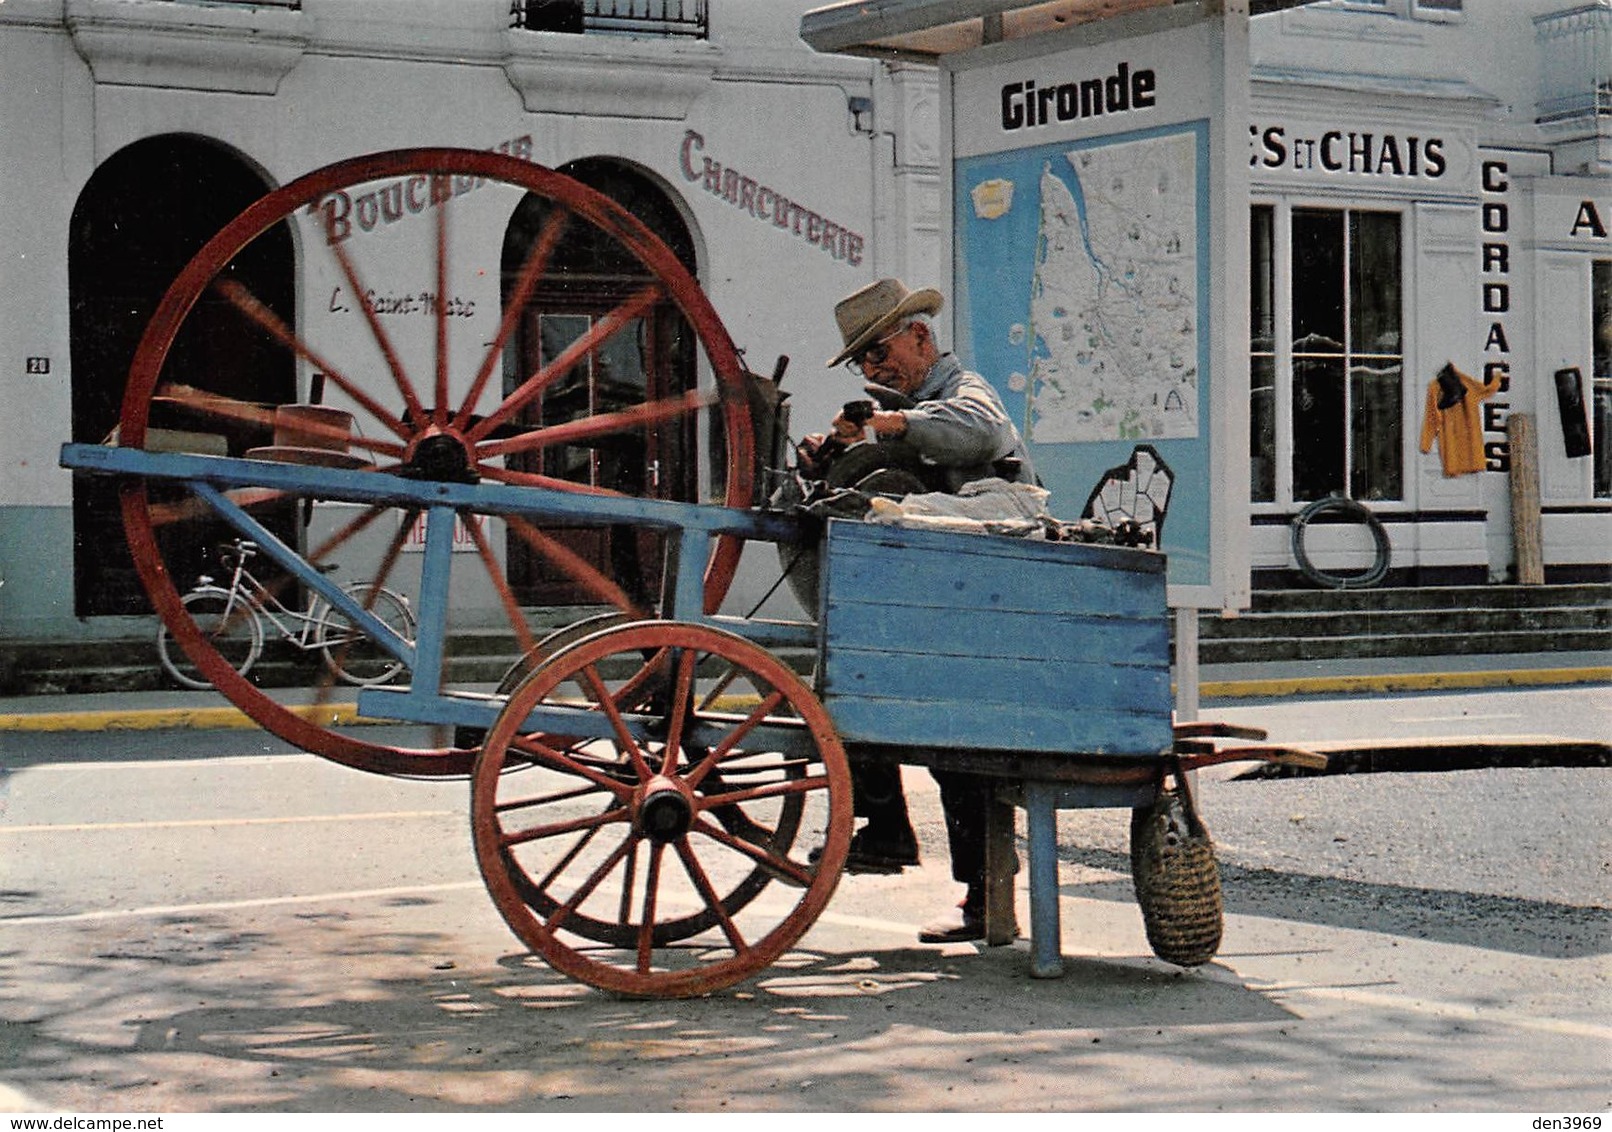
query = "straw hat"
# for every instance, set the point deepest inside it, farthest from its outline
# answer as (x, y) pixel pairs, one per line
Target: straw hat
(867, 314)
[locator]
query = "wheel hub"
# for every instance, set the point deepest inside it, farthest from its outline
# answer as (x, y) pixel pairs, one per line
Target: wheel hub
(441, 456)
(665, 813)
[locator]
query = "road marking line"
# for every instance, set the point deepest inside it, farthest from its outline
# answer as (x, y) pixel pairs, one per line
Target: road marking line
(188, 823)
(231, 905)
(1451, 718)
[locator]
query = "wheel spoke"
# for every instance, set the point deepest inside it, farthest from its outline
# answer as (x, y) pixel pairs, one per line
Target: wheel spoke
(629, 874)
(597, 335)
(581, 571)
(734, 737)
(383, 572)
(624, 739)
(558, 760)
(555, 798)
(722, 685)
(254, 309)
(439, 413)
(204, 403)
(605, 424)
(560, 828)
(691, 865)
(394, 364)
(801, 874)
(353, 527)
(531, 271)
(646, 924)
(594, 880)
(506, 596)
(770, 790)
(194, 507)
(552, 483)
(565, 860)
(682, 697)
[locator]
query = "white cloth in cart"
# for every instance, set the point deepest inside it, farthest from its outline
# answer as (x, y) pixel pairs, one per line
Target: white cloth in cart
(987, 506)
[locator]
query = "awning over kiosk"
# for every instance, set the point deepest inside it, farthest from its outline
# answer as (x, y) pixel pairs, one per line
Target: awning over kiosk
(927, 29)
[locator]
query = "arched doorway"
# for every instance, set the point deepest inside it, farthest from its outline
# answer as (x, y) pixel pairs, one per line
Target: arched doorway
(139, 220)
(653, 358)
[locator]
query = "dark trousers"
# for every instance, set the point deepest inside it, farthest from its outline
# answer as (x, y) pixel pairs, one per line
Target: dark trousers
(964, 798)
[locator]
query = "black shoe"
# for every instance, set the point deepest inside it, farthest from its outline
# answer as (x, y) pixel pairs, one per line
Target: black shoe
(878, 854)
(962, 925)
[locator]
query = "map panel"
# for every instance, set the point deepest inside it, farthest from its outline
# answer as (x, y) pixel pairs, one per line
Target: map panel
(1114, 305)
(1082, 294)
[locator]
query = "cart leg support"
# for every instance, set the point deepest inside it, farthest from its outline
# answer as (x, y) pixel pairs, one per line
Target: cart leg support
(999, 869)
(1046, 932)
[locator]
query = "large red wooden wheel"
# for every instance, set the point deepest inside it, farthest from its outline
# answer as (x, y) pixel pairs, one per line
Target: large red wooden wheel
(672, 772)
(403, 331)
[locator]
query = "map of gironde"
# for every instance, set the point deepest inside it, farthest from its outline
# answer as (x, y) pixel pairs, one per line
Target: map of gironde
(1114, 306)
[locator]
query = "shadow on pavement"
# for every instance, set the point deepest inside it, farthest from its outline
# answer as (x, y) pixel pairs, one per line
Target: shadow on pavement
(1474, 919)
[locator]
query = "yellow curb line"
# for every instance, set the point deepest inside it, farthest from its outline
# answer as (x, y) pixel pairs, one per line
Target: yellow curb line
(345, 715)
(1402, 682)
(155, 719)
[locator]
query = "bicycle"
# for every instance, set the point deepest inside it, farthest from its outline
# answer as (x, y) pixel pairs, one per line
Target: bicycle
(231, 618)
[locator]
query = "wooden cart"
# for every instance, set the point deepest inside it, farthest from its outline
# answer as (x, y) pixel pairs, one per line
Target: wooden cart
(661, 804)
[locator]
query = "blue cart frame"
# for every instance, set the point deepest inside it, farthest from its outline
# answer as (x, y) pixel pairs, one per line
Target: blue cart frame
(1043, 666)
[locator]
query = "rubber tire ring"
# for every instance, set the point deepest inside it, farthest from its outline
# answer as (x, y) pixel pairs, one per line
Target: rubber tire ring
(1349, 509)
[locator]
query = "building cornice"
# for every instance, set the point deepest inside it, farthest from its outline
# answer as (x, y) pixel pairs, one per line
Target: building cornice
(1300, 85)
(600, 76)
(187, 46)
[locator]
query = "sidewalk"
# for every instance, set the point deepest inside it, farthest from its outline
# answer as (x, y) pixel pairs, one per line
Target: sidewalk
(144, 711)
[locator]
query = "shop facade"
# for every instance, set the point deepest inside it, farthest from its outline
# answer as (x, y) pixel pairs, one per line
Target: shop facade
(782, 179)
(1429, 259)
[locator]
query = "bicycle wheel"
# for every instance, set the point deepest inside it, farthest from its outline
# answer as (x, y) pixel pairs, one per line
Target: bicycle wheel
(350, 653)
(227, 632)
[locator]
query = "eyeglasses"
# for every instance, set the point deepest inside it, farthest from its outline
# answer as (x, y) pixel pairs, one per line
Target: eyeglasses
(876, 354)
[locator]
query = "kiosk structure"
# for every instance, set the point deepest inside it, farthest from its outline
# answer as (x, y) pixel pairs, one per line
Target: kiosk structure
(1099, 222)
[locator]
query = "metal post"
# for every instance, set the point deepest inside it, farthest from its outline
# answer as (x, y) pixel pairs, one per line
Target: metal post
(1186, 665)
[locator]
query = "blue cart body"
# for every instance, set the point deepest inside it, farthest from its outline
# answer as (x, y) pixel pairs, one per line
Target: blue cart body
(950, 640)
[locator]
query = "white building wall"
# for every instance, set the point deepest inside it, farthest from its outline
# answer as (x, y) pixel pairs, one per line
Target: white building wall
(290, 91)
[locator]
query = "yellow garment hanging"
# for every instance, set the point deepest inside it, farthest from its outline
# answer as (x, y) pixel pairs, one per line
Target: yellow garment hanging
(1452, 417)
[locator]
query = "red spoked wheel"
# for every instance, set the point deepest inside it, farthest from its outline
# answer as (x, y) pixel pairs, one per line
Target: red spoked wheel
(408, 356)
(627, 829)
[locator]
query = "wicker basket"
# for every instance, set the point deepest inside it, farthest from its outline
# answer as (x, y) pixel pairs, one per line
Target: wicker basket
(1176, 878)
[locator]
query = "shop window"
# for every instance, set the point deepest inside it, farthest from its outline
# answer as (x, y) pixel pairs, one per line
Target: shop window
(1601, 383)
(1401, 9)
(1414, 9)
(1262, 357)
(1326, 406)
(683, 18)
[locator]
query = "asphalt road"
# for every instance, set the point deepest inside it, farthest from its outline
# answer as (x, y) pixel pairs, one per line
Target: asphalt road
(204, 921)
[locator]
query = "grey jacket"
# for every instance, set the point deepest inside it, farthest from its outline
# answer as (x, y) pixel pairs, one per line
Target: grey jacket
(959, 423)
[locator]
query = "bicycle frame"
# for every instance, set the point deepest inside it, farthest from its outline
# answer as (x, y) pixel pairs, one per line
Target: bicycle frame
(249, 591)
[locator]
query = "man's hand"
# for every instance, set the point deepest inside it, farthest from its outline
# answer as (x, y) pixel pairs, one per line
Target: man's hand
(809, 455)
(889, 425)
